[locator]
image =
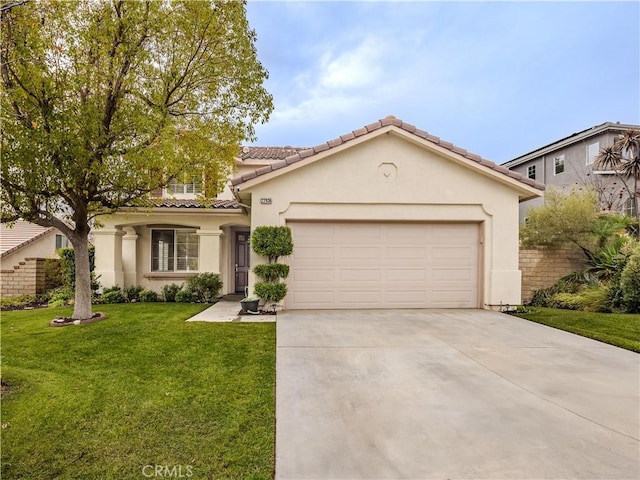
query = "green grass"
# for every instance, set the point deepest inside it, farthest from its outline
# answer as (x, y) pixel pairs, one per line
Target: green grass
(619, 329)
(140, 388)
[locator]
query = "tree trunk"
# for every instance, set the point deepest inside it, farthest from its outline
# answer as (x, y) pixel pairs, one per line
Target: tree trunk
(82, 306)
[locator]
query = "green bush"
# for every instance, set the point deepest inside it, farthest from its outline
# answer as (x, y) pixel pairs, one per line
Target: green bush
(569, 301)
(169, 292)
(184, 295)
(68, 266)
(568, 284)
(595, 299)
(272, 241)
(115, 288)
(630, 283)
(205, 287)
(114, 296)
(132, 293)
(61, 296)
(53, 273)
(15, 303)
(270, 292)
(148, 296)
(271, 272)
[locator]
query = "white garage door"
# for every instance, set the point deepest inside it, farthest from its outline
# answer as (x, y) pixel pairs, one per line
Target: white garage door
(383, 265)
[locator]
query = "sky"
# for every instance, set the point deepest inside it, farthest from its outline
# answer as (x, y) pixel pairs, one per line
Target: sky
(497, 78)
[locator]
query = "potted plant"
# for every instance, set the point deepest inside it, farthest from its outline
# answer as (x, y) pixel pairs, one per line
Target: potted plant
(249, 303)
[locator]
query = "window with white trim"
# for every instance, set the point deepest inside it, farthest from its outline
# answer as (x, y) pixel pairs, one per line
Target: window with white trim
(558, 165)
(592, 152)
(190, 185)
(531, 172)
(174, 250)
(62, 241)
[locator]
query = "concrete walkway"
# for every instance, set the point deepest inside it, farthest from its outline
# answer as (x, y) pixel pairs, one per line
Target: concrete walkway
(414, 394)
(228, 311)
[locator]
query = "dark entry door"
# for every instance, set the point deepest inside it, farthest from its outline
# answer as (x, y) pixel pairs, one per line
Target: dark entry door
(242, 261)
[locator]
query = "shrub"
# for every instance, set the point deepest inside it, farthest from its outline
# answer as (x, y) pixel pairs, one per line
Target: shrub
(569, 301)
(205, 287)
(19, 302)
(132, 293)
(270, 292)
(61, 296)
(53, 273)
(271, 272)
(114, 296)
(595, 299)
(272, 241)
(169, 292)
(68, 266)
(184, 295)
(115, 288)
(148, 296)
(568, 284)
(630, 282)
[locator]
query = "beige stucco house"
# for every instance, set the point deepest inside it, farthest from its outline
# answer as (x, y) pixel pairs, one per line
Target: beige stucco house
(386, 216)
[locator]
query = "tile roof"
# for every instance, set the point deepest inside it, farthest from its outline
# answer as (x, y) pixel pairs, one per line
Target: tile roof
(20, 235)
(181, 203)
(268, 153)
(385, 122)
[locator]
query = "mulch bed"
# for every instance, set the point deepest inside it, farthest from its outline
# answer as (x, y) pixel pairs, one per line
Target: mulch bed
(65, 321)
(260, 312)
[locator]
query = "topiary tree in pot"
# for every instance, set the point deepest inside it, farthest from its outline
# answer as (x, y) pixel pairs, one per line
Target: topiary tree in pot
(272, 242)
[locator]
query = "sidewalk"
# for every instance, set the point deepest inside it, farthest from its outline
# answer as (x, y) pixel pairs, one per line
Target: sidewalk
(228, 311)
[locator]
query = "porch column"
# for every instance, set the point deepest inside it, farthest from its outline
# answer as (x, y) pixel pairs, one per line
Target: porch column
(209, 254)
(129, 257)
(108, 243)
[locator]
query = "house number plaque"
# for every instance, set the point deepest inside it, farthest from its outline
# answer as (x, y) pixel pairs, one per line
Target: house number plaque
(265, 201)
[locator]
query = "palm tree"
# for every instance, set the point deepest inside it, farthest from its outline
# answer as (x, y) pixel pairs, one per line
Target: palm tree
(623, 158)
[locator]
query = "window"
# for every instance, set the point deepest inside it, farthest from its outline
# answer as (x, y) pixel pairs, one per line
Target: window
(629, 207)
(558, 165)
(531, 172)
(62, 241)
(592, 152)
(174, 250)
(191, 184)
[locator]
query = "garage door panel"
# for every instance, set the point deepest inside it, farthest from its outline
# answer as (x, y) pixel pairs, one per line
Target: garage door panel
(313, 275)
(383, 265)
(360, 275)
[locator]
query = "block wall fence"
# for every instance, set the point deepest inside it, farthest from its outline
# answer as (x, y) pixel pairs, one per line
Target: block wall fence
(542, 267)
(29, 277)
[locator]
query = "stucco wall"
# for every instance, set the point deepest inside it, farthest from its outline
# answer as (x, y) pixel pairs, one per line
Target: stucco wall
(127, 236)
(43, 247)
(542, 267)
(393, 179)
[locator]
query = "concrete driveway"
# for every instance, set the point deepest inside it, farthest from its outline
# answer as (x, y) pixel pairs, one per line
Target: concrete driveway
(464, 394)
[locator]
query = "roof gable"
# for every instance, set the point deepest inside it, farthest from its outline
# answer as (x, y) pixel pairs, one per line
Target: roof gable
(382, 126)
(20, 235)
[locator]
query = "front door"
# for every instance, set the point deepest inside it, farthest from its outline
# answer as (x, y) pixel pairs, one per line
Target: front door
(242, 261)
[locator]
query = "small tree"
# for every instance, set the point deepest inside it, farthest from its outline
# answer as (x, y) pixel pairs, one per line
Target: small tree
(574, 219)
(272, 242)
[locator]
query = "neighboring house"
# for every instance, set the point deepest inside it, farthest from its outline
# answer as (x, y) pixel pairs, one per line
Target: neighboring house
(386, 216)
(569, 163)
(23, 249)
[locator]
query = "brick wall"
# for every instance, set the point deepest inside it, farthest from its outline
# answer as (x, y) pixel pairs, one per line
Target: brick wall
(542, 267)
(29, 277)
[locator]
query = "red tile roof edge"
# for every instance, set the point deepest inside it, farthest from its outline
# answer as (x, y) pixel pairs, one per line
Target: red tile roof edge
(387, 121)
(184, 203)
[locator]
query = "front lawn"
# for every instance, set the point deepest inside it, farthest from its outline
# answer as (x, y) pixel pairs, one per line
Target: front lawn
(140, 394)
(620, 329)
